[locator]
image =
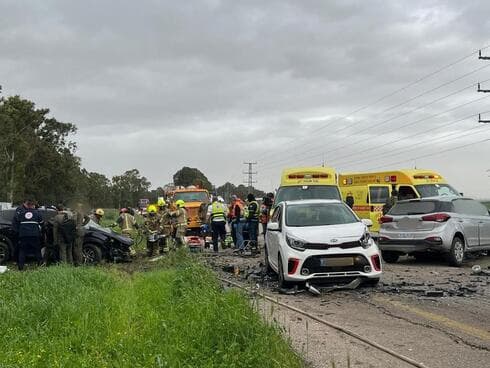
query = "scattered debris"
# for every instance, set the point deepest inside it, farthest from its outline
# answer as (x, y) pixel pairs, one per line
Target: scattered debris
(292, 291)
(477, 270)
(434, 293)
(155, 259)
(3, 269)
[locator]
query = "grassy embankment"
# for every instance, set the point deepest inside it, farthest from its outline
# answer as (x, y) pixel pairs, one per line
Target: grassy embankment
(103, 317)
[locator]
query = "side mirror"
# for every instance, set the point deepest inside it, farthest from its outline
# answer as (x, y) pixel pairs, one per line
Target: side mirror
(367, 222)
(273, 226)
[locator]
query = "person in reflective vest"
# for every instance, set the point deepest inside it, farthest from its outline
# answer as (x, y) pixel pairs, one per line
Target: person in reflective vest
(252, 217)
(28, 225)
(217, 213)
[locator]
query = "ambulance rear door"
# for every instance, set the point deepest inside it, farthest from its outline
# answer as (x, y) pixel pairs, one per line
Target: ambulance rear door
(378, 194)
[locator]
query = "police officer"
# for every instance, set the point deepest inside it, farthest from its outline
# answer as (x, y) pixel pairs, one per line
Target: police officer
(252, 218)
(28, 225)
(180, 215)
(217, 213)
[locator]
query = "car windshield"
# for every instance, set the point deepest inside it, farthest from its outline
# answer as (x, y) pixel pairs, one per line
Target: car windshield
(320, 214)
(294, 193)
(191, 196)
(93, 225)
(419, 207)
(436, 190)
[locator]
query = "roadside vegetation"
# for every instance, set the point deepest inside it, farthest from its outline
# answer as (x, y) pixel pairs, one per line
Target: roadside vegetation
(175, 316)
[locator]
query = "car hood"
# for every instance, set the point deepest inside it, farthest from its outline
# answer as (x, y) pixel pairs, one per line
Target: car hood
(329, 234)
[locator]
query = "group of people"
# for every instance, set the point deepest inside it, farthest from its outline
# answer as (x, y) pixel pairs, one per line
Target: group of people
(30, 229)
(242, 217)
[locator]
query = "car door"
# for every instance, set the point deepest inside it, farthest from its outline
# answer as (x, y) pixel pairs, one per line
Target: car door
(483, 222)
(378, 194)
(273, 237)
(469, 221)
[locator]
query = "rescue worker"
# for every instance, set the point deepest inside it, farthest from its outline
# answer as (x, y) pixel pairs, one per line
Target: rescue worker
(64, 233)
(180, 215)
(265, 211)
(252, 217)
(165, 225)
(217, 213)
(80, 220)
(126, 222)
(97, 215)
(28, 225)
(152, 228)
(349, 200)
(390, 202)
(237, 216)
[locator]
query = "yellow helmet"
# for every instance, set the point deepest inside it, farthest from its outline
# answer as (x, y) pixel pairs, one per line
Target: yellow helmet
(180, 203)
(152, 208)
(99, 212)
(161, 202)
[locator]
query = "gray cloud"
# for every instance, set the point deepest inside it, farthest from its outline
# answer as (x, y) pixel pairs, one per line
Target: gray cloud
(157, 85)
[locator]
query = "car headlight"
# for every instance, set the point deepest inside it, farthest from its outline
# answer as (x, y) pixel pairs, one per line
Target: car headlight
(296, 244)
(365, 240)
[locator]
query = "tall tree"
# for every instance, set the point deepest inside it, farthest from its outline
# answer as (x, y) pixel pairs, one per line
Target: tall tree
(192, 176)
(128, 188)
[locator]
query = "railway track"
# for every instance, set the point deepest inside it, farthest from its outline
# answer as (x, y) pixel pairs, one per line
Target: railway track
(348, 332)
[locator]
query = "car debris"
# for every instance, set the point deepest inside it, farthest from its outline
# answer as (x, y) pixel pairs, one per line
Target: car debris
(292, 291)
(3, 269)
(477, 270)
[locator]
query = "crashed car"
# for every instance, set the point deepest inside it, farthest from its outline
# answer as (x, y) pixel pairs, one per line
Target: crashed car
(320, 242)
(99, 243)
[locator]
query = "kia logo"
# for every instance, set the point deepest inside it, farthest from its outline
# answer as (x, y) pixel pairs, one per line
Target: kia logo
(334, 240)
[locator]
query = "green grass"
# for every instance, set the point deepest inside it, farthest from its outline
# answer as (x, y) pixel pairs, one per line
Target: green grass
(103, 317)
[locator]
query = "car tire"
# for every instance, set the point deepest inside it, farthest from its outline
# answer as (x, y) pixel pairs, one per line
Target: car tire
(280, 274)
(390, 257)
(266, 260)
(456, 253)
(371, 282)
(91, 254)
(4, 251)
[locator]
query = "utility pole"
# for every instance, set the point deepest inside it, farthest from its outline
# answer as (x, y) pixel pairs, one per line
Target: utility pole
(482, 90)
(250, 172)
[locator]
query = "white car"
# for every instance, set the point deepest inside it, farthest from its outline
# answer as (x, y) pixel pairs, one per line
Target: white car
(320, 241)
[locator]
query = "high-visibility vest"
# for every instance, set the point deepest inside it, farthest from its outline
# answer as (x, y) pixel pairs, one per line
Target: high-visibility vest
(217, 212)
(255, 214)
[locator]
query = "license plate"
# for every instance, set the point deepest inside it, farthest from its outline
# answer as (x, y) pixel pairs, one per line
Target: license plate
(336, 262)
(405, 236)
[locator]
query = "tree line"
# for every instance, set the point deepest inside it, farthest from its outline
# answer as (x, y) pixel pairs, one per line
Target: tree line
(38, 160)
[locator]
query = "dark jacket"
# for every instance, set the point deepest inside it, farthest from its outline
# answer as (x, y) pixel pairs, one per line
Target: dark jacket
(27, 222)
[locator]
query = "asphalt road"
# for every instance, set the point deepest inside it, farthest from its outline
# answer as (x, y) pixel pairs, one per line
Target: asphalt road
(427, 311)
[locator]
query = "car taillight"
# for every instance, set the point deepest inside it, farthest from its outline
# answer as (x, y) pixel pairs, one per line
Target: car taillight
(375, 260)
(293, 264)
(436, 217)
(385, 219)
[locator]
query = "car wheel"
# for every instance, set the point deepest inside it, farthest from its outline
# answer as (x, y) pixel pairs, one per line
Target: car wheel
(456, 253)
(266, 260)
(91, 254)
(371, 282)
(390, 257)
(280, 274)
(4, 252)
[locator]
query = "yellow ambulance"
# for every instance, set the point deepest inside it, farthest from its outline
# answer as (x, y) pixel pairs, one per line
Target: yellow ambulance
(370, 191)
(308, 183)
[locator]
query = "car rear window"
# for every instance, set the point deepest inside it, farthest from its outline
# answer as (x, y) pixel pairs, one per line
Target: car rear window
(419, 207)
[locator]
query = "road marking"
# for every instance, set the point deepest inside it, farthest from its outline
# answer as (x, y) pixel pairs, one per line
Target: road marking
(443, 320)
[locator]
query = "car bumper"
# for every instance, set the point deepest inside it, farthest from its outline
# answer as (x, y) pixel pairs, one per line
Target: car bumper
(431, 242)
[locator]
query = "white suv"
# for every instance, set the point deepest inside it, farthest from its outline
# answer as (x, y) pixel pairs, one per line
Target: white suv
(320, 241)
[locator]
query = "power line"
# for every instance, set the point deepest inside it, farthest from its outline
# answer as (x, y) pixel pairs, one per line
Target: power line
(384, 122)
(447, 66)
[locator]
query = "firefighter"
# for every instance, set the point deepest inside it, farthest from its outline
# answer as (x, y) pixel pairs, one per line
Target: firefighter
(152, 229)
(97, 215)
(217, 213)
(126, 222)
(180, 215)
(28, 225)
(165, 225)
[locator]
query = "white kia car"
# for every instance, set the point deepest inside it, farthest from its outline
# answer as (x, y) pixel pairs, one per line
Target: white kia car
(320, 241)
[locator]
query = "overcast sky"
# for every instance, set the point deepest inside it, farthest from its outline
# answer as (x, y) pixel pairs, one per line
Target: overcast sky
(157, 85)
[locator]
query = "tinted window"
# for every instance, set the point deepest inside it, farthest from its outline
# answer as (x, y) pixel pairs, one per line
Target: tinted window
(319, 214)
(307, 192)
(406, 192)
(435, 190)
(470, 207)
(419, 207)
(378, 194)
(276, 216)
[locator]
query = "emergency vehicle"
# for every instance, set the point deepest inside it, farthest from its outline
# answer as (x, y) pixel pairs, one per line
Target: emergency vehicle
(370, 191)
(307, 183)
(196, 204)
